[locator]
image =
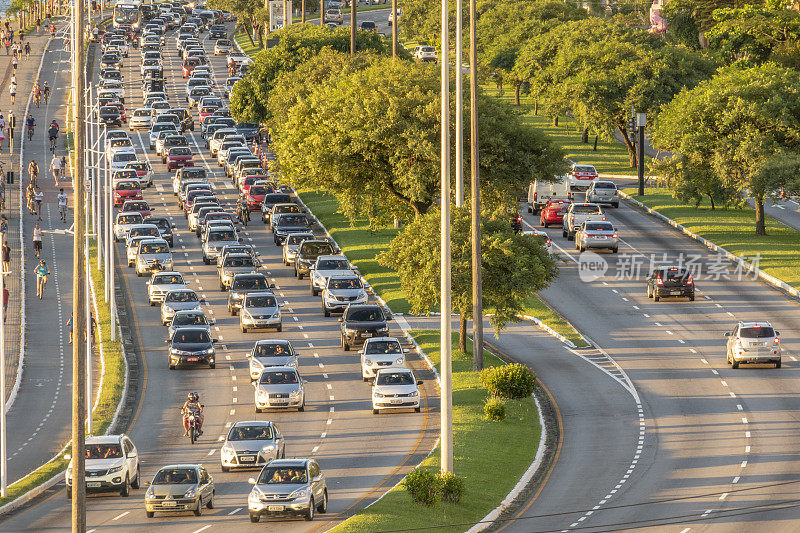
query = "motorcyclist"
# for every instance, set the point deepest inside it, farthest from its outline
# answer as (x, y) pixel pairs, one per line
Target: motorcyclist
(243, 211)
(192, 406)
(156, 266)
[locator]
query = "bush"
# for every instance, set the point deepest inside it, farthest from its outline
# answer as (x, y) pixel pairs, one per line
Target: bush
(423, 485)
(494, 409)
(452, 487)
(513, 381)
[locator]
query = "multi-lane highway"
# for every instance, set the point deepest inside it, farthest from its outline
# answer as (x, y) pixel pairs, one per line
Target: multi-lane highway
(361, 454)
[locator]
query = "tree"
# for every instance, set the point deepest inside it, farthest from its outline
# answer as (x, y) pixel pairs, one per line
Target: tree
(739, 123)
(513, 266)
(371, 138)
(251, 16)
(694, 181)
(297, 43)
(754, 34)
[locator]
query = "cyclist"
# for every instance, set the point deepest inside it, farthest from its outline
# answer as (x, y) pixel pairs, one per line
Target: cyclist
(37, 93)
(52, 134)
(39, 198)
(55, 168)
(37, 240)
(30, 122)
(41, 272)
(62, 203)
(33, 170)
(46, 90)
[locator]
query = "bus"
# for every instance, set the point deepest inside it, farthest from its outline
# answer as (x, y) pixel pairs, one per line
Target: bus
(128, 15)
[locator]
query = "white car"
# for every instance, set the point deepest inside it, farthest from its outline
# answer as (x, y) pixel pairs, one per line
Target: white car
(124, 222)
(193, 83)
(122, 158)
(251, 444)
(118, 145)
(141, 119)
(132, 247)
(279, 387)
(268, 353)
(218, 138)
(114, 87)
(112, 464)
(548, 245)
(325, 267)
(222, 47)
(160, 283)
(341, 291)
(425, 53)
(334, 15)
(395, 388)
(144, 172)
(381, 352)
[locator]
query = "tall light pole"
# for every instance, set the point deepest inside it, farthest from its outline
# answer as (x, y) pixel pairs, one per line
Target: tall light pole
(353, 4)
(477, 284)
(3, 427)
(459, 108)
(445, 339)
(78, 278)
(321, 13)
(394, 28)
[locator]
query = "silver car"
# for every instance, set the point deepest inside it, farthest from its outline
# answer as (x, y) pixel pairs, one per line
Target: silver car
(288, 487)
(753, 342)
(160, 283)
(279, 387)
(603, 192)
(341, 291)
(193, 318)
(182, 487)
(325, 267)
(123, 223)
(395, 388)
(215, 239)
(271, 353)
(150, 252)
(235, 264)
(260, 310)
(237, 249)
(597, 235)
(178, 300)
(132, 248)
(291, 244)
(378, 353)
(251, 444)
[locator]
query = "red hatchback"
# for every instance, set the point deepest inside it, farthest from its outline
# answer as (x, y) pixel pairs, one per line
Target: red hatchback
(179, 156)
(137, 206)
(126, 190)
(188, 66)
(255, 196)
(247, 181)
(553, 212)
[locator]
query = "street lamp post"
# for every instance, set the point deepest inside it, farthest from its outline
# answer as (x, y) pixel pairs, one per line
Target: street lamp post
(459, 108)
(477, 281)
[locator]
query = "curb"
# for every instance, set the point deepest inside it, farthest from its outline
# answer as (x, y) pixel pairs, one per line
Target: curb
(549, 330)
(772, 280)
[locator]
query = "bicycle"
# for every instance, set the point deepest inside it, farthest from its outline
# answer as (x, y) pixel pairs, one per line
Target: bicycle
(53, 145)
(36, 99)
(30, 133)
(46, 95)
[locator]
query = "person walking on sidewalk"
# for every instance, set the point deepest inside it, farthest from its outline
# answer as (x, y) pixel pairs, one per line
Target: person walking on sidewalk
(12, 88)
(6, 253)
(33, 170)
(37, 240)
(55, 169)
(62, 205)
(39, 198)
(27, 50)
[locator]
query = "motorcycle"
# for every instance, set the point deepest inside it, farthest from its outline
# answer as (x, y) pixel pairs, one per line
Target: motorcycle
(194, 430)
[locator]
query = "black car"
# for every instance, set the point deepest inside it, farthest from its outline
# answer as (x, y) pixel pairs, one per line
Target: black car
(270, 200)
(287, 223)
(110, 61)
(164, 228)
(187, 122)
(217, 31)
(248, 129)
(670, 281)
(241, 285)
(191, 346)
(362, 321)
(109, 115)
(368, 25)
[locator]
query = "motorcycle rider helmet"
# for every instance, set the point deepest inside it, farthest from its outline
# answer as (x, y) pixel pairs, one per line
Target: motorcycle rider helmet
(190, 396)
(195, 396)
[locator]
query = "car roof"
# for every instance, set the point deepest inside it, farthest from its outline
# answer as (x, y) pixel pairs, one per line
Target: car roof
(152, 240)
(290, 462)
(325, 257)
(181, 465)
(259, 293)
(104, 439)
(241, 423)
(395, 369)
(168, 273)
(755, 324)
(190, 328)
(127, 213)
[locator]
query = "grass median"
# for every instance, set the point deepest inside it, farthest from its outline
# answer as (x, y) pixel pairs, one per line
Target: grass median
(490, 456)
(734, 230)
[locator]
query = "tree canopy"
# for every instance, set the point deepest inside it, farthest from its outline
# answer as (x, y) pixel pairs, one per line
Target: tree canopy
(754, 34)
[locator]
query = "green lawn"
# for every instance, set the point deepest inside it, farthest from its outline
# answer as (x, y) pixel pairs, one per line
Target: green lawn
(491, 456)
(734, 230)
(537, 307)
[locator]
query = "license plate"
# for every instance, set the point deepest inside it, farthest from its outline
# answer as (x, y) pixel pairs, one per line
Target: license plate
(759, 344)
(247, 458)
(366, 334)
(676, 292)
(192, 358)
(275, 508)
(93, 484)
(397, 400)
(168, 503)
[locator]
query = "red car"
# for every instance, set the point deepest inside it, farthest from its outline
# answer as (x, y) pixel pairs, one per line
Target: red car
(255, 196)
(247, 181)
(206, 112)
(137, 206)
(188, 66)
(126, 190)
(179, 156)
(122, 115)
(553, 212)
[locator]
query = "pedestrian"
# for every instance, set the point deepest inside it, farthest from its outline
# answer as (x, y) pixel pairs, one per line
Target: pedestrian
(12, 89)
(42, 272)
(6, 253)
(3, 226)
(6, 294)
(37, 239)
(39, 198)
(7, 44)
(38, 24)
(69, 328)
(27, 50)
(55, 168)
(11, 123)
(15, 64)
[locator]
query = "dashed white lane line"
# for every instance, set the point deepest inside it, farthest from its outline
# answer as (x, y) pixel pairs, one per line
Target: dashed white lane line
(329, 386)
(692, 350)
(202, 529)
(669, 332)
(704, 361)
(657, 324)
(646, 315)
(715, 372)
(211, 452)
(121, 515)
(744, 464)
(739, 407)
(729, 313)
(735, 480)
(233, 412)
(314, 449)
(235, 511)
(724, 383)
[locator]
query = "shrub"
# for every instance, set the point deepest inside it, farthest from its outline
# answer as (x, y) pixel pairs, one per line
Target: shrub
(452, 487)
(423, 485)
(494, 409)
(513, 381)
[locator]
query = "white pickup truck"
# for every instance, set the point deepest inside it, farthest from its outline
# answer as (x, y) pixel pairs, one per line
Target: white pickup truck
(577, 214)
(540, 192)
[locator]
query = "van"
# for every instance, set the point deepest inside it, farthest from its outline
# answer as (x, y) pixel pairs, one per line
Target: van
(541, 192)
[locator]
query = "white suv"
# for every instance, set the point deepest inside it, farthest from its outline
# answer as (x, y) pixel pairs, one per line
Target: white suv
(112, 464)
(753, 342)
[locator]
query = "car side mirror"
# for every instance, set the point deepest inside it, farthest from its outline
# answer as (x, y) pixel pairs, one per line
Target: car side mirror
(212, 322)
(340, 319)
(388, 317)
(202, 300)
(214, 341)
(727, 333)
(166, 341)
(280, 305)
(420, 382)
(147, 282)
(271, 285)
(252, 481)
(317, 479)
(777, 333)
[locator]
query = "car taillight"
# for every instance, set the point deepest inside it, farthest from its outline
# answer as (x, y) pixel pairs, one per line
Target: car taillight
(615, 193)
(535, 196)
(604, 218)
(776, 340)
(548, 244)
(614, 236)
(689, 281)
(660, 281)
(519, 219)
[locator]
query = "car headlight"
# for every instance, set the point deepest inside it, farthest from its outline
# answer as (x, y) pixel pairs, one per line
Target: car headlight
(295, 393)
(384, 329)
(368, 362)
(261, 393)
(255, 494)
(300, 493)
(228, 450)
(377, 394)
(292, 363)
(399, 360)
(115, 469)
(349, 331)
(268, 448)
(173, 351)
(190, 493)
(150, 493)
(415, 393)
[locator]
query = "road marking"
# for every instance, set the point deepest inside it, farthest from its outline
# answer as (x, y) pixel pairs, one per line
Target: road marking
(747, 449)
(669, 332)
(744, 464)
(724, 383)
(201, 529)
(747, 434)
(329, 386)
(718, 305)
(692, 350)
(744, 420)
(235, 511)
(646, 315)
(706, 297)
(121, 515)
(233, 412)
(211, 452)
(729, 313)
(714, 371)
(681, 341)
(324, 434)
(314, 449)
(704, 361)
(624, 299)
(735, 480)
(739, 407)
(657, 324)
(321, 365)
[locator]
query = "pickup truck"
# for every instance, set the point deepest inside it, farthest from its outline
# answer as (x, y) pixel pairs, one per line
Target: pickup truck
(577, 214)
(541, 192)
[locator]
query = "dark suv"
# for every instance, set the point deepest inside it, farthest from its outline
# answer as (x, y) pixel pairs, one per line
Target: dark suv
(670, 281)
(362, 321)
(307, 255)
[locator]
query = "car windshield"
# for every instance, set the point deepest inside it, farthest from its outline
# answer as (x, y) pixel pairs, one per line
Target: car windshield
(161, 223)
(135, 206)
(298, 238)
(286, 208)
(139, 165)
(182, 150)
(128, 186)
(347, 283)
(258, 190)
(167, 279)
(272, 349)
(191, 336)
(235, 262)
(276, 475)
(370, 314)
(598, 226)
(223, 235)
(129, 219)
(261, 301)
(316, 248)
(181, 296)
(250, 433)
(121, 142)
(383, 347)
(427, 49)
(273, 199)
(136, 232)
(585, 209)
(584, 168)
(333, 264)
(604, 185)
(394, 378)
(278, 378)
(190, 319)
(250, 283)
(103, 451)
(155, 248)
(757, 332)
(124, 156)
(175, 476)
(197, 172)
